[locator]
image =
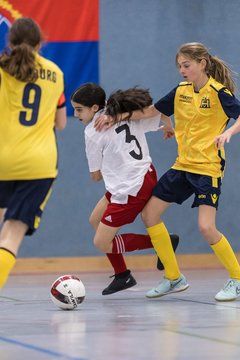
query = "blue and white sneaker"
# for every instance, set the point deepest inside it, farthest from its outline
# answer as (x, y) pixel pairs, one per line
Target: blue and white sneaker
(168, 287)
(230, 291)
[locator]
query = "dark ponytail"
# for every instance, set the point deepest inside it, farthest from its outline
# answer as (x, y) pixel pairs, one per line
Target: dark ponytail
(127, 101)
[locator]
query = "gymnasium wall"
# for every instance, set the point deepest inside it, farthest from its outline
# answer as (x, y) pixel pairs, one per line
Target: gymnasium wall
(137, 45)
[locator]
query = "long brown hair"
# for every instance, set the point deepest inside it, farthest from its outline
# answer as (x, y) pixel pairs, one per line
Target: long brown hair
(215, 66)
(127, 101)
(24, 37)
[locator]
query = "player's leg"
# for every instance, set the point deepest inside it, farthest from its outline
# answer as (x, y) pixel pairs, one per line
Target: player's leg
(120, 244)
(8, 248)
(223, 250)
(104, 236)
(122, 214)
(172, 187)
(160, 236)
(103, 241)
(117, 260)
(98, 212)
(174, 281)
(26, 202)
(11, 237)
(129, 242)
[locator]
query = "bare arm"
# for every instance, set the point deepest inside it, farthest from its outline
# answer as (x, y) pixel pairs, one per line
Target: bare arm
(106, 121)
(167, 128)
(60, 118)
(2, 211)
(227, 134)
(96, 175)
(147, 112)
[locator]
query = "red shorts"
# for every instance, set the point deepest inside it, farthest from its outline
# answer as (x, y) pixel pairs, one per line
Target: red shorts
(117, 215)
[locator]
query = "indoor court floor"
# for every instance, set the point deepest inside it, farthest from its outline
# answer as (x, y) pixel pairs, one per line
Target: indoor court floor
(189, 325)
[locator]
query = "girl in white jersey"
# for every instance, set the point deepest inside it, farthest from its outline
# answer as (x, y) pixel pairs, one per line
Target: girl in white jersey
(121, 157)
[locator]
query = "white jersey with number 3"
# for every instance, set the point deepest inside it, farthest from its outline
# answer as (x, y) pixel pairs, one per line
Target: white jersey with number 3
(121, 154)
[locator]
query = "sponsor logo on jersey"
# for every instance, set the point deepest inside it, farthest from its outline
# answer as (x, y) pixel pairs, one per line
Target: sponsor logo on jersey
(214, 198)
(205, 103)
(185, 98)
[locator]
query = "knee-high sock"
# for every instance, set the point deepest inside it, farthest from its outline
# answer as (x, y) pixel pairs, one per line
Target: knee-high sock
(130, 242)
(7, 261)
(162, 244)
(225, 254)
(117, 262)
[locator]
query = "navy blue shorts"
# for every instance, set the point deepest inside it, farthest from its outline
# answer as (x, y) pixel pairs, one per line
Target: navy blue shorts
(176, 186)
(25, 200)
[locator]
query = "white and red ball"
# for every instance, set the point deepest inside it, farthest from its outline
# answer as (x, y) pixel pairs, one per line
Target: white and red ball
(67, 292)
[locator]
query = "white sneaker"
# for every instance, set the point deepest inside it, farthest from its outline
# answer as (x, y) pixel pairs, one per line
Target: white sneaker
(230, 291)
(168, 287)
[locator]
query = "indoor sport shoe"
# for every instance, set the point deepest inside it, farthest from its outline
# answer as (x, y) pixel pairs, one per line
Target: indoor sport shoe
(168, 287)
(175, 241)
(230, 291)
(120, 282)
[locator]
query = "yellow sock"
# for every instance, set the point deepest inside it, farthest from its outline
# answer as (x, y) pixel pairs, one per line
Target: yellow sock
(227, 257)
(7, 261)
(162, 244)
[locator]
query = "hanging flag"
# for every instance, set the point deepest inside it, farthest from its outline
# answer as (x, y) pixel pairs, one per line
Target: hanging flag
(71, 31)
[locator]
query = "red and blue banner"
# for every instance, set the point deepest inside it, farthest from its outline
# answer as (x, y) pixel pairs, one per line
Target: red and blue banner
(71, 31)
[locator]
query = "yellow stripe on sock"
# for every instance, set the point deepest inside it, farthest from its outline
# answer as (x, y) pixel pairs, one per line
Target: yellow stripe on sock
(162, 244)
(225, 254)
(7, 261)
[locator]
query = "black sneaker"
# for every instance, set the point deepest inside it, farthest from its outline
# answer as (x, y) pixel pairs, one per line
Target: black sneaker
(175, 241)
(120, 282)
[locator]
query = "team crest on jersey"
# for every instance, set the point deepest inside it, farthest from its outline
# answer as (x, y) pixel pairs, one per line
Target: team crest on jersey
(205, 103)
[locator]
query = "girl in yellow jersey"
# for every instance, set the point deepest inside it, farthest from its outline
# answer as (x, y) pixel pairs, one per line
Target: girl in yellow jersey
(202, 106)
(32, 106)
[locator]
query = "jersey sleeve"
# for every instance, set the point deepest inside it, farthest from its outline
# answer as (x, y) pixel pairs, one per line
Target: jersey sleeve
(166, 104)
(61, 101)
(151, 124)
(93, 153)
(230, 103)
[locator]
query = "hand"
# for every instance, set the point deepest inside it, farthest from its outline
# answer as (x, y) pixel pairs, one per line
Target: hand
(221, 139)
(103, 122)
(168, 131)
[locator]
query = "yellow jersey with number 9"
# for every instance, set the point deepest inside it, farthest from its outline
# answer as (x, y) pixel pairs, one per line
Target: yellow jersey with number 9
(28, 148)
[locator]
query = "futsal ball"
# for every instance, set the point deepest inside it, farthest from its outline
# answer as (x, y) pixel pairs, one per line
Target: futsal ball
(67, 292)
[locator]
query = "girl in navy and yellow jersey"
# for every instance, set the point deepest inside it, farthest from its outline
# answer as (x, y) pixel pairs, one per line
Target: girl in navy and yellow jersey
(32, 106)
(202, 106)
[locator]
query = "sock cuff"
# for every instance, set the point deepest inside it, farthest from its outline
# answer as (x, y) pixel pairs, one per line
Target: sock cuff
(156, 229)
(8, 251)
(220, 244)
